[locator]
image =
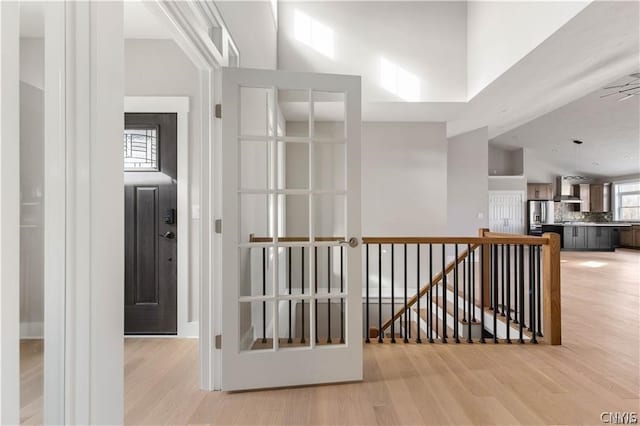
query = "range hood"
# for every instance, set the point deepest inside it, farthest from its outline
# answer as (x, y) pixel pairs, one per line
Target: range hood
(564, 189)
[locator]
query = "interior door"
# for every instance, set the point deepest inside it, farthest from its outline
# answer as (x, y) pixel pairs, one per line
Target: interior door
(291, 258)
(506, 212)
(150, 176)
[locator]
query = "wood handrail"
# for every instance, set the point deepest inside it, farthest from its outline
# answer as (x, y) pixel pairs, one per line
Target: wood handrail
(492, 238)
(524, 239)
(424, 290)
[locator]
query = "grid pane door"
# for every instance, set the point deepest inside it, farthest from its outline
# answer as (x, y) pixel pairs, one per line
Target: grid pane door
(291, 297)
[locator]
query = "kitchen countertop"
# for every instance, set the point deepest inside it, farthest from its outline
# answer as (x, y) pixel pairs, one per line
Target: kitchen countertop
(620, 224)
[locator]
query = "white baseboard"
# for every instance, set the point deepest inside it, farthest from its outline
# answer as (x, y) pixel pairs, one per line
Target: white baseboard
(31, 330)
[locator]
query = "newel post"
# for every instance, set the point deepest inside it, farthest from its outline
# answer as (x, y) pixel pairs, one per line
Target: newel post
(486, 269)
(551, 290)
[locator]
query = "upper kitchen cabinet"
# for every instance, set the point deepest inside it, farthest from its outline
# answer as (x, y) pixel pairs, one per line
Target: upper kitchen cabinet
(539, 191)
(600, 197)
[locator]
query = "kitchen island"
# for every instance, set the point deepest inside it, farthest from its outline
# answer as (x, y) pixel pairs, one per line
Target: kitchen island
(594, 236)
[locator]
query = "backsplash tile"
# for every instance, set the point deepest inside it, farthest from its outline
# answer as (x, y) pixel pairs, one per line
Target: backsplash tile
(563, 213)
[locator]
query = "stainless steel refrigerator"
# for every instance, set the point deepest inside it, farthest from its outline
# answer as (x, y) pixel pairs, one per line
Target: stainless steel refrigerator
(539, 213)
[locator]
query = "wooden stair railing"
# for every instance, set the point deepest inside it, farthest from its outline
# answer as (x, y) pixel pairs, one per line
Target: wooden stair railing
(437, 278)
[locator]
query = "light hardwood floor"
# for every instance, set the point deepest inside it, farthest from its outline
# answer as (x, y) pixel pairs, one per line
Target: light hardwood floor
(596, 369)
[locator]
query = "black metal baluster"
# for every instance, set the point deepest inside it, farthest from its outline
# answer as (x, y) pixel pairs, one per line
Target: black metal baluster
(508, 292)
(468, 300)
(380, 293)
(302, 339)
(465, 266)
(393, 322)
(341, 292)
(516, 275)
(503, 269)
(328, 294)
(531, 284)
(315, 274)
(289, 340)
(539, 294)
(473, 284)
(521, 292)
(444, 295)
(533, 250)
(491, 276)
(406, 313)
(483, 254)
(430, 304)
(264, 293)
(366, 320)
(494, 295)
(456, 330)
(418, 339)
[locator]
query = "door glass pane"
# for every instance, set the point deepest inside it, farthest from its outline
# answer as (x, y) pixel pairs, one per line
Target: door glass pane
(140, 149)
(256, 107)
(294, 112)
(256, 271)
(255, 164)
(329, 166)
(293, 217)
(329, 212)
(294, 325)
(256, 211)
(32, 209)
(331, 314)
(293, 162)
(256, 325)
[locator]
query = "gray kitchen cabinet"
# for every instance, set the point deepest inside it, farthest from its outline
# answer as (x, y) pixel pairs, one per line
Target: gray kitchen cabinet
(575, 237)
(599, 238)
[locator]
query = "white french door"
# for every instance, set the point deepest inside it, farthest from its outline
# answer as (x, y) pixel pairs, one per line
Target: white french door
(291, 282)
(506, 212)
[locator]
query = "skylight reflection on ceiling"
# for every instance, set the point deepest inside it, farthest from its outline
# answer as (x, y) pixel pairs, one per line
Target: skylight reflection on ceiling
(314, 34)
(399, 81)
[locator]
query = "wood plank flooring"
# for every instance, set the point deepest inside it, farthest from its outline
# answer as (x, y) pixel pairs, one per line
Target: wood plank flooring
(596, 369)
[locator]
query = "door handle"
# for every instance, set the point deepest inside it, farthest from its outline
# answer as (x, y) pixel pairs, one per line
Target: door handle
(168, 235)
(353, 242)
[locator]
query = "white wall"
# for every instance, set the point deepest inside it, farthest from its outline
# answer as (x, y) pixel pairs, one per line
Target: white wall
(426, 39)
(500, 33)
(404, 179)
(160, 68)
(253, 29)
(467, 183)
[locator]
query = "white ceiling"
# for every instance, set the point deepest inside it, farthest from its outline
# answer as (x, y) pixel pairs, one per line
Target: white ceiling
(608, 127)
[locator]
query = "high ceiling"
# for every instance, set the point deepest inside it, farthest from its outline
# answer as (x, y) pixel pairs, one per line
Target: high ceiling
(609, 128)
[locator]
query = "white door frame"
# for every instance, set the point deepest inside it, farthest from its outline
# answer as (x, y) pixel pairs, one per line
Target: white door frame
(180, 106)
(192, 25)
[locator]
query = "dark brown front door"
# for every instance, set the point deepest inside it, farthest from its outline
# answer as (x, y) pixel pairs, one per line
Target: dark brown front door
(150, 177)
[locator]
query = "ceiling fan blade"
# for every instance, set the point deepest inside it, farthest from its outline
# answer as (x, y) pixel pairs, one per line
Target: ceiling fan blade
(609, 94)
(635, 75)
(615, 87)
(635, 86)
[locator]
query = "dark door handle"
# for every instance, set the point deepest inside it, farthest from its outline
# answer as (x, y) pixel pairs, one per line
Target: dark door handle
(168, 235)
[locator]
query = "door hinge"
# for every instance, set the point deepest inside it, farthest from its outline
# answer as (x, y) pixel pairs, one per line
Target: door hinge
(218, 110)
(218, 226)
(218, 341)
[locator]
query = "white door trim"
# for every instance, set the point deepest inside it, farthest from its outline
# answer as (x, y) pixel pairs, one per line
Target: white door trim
(191, 24)
(180, 106)
(9, 213)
